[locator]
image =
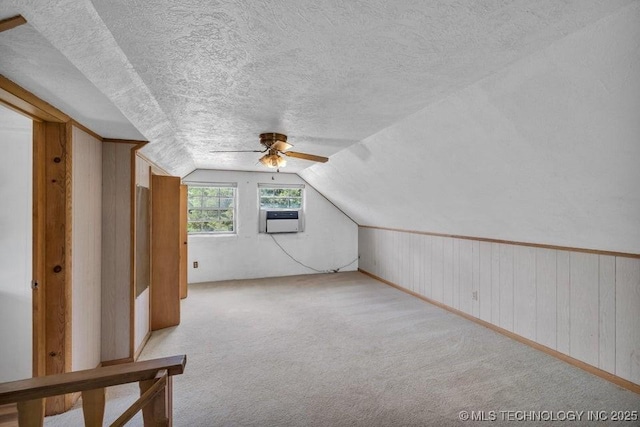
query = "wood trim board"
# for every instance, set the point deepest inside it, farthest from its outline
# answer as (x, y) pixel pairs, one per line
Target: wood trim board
(12, 22)
(24, 102)
(509, 242)
(39, 239)
(57, 274)
(139, 144)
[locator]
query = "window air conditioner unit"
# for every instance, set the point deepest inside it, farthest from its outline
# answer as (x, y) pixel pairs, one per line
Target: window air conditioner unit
(282, 222)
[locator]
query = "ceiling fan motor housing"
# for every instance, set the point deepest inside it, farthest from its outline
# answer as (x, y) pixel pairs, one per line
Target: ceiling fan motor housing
(270, 138)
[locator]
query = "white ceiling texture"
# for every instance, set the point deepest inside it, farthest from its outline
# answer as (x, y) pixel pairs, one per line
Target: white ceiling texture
(512, 119)
(196, 76)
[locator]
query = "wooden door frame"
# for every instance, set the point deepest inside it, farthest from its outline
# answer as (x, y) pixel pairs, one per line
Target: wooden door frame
(51, 222)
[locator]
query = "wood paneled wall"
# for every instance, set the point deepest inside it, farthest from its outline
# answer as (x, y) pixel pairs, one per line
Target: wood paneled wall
(87, 250)
(141, 320)
(584, 305)
(116, 250)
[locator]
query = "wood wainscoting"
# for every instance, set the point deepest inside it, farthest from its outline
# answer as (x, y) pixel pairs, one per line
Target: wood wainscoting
(576, 303)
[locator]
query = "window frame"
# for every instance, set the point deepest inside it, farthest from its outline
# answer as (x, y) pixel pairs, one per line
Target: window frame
(233, 206)
(281, 186)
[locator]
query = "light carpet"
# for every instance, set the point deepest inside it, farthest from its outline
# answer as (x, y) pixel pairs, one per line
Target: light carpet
(346, 350)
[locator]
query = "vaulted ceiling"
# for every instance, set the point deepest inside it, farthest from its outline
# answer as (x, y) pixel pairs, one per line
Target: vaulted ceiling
(197, 76)
(515, 120)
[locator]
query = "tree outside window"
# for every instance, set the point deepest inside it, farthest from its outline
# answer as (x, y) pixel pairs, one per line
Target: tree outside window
(280, 198)
(211, 209)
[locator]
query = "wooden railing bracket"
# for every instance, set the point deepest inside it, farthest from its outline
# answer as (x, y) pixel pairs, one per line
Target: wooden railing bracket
(154, 377)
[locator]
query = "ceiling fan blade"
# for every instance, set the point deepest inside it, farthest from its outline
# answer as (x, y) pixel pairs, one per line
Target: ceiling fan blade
(237, 151)
(281, 145)
(306, 156)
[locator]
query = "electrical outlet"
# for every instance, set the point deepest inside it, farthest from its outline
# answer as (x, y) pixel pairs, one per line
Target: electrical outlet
(195, 264)
(474, 295)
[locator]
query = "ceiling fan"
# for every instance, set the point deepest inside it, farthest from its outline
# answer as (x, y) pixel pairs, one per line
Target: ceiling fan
(276, 144)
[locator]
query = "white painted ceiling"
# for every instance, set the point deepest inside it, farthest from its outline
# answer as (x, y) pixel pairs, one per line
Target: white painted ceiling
(31, 61)
(196, 76)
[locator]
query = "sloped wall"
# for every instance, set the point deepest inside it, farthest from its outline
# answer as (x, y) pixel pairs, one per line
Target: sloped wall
(544, 151)
(329, 239)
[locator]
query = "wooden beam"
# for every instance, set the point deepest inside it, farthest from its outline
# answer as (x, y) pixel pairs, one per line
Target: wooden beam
(89, 379)
(57, 274)
(24, 102)
(126, 141)
(39, 249)
(13, 22)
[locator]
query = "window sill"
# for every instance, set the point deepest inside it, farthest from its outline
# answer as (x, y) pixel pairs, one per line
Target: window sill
(205, 235)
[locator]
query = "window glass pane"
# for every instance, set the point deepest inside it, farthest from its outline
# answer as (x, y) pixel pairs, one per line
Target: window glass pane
(281, 198)
(210, 202)
(211, 209)
(225, 203)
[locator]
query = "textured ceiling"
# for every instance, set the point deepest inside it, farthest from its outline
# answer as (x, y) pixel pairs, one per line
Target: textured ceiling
(29, 60)
(195, 76)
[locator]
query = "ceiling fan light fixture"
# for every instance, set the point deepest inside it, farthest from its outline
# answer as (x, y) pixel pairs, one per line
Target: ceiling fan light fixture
(273, 161)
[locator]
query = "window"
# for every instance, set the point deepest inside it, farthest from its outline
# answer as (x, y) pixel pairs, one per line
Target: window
(211, 209)
(281, 197)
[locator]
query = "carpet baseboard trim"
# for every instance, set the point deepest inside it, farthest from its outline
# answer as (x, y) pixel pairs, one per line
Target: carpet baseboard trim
(565, 358)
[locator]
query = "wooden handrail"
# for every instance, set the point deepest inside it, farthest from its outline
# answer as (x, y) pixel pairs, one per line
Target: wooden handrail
(71, 382)
(154, 377)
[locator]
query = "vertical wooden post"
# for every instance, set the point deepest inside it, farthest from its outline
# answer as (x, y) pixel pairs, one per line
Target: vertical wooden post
(31, 413)
(159, 412)
(93, 407)
(57, 265)
(39, 242)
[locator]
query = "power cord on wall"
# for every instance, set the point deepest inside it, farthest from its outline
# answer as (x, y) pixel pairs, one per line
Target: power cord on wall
(335, 270)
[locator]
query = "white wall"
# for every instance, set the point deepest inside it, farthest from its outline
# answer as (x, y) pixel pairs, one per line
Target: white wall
(86, 264)
(16, 233)
(584, 305)
(544, 151)
(329, 240)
